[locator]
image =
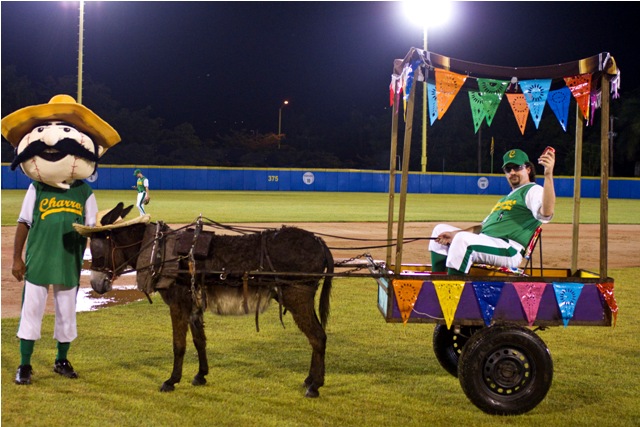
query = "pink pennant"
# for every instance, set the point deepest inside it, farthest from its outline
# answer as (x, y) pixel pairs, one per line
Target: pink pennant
(530, 294)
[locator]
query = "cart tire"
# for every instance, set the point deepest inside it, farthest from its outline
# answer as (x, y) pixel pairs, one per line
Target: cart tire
(505, 370)
(448, 343)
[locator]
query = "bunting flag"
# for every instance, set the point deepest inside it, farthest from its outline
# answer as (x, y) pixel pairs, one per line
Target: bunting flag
(487, 295)
(606, 289)
(567, 295)
(448, 85)
(520, 109)
(530, 295)
(433, 103)
(492, 92)
(535, 93)
(477, 109)
(596, 102)
(580, 87)
(394, 89)
(406, 292)
(449, 293)
(559, 101)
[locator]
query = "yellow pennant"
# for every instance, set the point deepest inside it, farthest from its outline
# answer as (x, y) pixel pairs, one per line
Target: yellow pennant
(448, 85)
(406, 292)
(449, 293)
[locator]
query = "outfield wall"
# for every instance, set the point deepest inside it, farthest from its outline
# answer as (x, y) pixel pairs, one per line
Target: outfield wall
(258, 179)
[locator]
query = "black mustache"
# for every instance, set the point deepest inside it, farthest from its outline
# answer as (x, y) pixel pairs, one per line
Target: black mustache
(66, 146)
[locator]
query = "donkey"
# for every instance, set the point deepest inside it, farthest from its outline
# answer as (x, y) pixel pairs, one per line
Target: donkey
(194, 269)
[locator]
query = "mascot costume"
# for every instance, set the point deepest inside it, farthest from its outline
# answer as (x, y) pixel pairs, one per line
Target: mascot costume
(57, 145)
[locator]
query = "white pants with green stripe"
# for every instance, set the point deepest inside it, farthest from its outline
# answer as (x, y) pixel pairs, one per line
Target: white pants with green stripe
(470, 248)
(33, 307)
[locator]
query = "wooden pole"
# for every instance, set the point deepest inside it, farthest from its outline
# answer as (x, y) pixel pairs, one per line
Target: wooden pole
(392, 178)
(577, 182)
(604, 177)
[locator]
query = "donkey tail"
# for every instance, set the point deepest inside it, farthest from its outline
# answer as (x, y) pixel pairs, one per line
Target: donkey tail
(325, 305)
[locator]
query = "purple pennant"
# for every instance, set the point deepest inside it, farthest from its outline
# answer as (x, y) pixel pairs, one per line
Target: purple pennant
(487, 295)
(536, 93)
(567, 295)
(559, 101)
(433, 102)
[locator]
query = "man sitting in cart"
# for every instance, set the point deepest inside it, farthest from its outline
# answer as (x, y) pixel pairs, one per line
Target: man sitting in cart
(500, 240)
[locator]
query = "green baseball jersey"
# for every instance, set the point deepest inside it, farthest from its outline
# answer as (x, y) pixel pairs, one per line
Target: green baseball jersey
(140, 184)
(54, 249)
(511, 219)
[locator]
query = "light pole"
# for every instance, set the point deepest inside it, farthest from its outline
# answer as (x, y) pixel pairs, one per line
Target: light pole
(80, 51)
(280, 121)
(427, 14)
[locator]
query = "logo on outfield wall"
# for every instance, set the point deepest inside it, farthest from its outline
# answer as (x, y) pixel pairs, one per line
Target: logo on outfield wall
(483, 183)
(308, 178)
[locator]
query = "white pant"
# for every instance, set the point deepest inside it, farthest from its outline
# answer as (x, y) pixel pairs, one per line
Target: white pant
(140, 202)
(33, 306)
(469, 248)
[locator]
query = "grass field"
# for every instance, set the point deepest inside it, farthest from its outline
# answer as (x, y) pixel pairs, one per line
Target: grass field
(261, 206)
(377, 374)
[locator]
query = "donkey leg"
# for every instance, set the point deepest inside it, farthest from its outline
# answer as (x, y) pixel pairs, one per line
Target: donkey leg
(180, 325)
(200, 341)
(300, 303)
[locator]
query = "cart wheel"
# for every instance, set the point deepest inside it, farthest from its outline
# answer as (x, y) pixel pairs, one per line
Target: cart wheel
(505, 370)
(448, 343)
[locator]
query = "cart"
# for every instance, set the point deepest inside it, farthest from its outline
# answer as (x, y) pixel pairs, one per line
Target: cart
(486, 322)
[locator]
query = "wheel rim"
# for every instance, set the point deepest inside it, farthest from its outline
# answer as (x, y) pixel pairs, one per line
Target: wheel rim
(507, 371)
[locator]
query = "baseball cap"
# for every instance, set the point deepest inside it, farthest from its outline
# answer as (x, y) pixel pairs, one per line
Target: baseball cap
(136, 172)
(516, 157)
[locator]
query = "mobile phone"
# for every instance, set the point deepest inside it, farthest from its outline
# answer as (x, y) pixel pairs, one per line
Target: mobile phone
(549, 149)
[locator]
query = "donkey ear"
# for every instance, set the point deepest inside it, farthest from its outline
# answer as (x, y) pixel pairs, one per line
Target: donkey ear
(126, 211)
(112, 216)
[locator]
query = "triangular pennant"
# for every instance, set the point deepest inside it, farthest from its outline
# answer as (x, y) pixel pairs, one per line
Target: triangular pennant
(487, 295)
(406, 292)
(530, 295)
(449, 293)
(433, 103)
(520, 109)
(491, 102)
(596, 102)
(535, 93)
(477, 109)
(492, 92)
(448, 85)
(606, 289)
(394, 88)
(580, 87)
(559, 101)
(567, 295)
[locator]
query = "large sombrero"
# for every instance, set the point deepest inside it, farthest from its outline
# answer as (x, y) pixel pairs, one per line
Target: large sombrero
(119, 223)
(64, 108)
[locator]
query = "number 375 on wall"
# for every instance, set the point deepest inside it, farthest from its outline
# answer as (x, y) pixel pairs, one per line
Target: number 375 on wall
(272, 178)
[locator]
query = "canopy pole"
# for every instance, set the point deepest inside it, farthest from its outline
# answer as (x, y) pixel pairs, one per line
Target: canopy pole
(604, 177)
(392, 177)
(405, 177)
(577, 183)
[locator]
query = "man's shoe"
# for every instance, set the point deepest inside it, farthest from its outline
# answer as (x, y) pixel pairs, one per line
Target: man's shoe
(64, 368)
(23, 377)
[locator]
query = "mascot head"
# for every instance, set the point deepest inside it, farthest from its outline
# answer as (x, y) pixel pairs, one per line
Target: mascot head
(58, 142)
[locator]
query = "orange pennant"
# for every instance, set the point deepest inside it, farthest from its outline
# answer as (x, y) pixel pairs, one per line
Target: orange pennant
(606, 289)
(406, 292)
(449, 293)
(448, 84)
(520, 109)
(580, 87)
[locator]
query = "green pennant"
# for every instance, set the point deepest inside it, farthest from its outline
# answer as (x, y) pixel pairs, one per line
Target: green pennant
(477, 109)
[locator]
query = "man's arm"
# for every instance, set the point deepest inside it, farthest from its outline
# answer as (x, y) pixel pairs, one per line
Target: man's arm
(446, 237)
(548, 160)
(19, 268)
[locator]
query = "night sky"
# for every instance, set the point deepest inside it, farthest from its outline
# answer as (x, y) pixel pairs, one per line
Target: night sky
(218, 63)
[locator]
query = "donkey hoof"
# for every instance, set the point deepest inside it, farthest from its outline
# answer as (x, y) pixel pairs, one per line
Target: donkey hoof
(167, 387)
(312, 392)
(199, 380)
